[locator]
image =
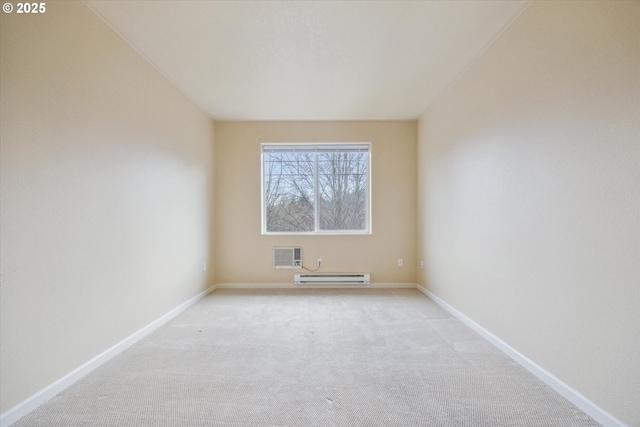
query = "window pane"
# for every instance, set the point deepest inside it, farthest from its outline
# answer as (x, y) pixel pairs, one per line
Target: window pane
(342, 186)
(289, 191)
(316, 188)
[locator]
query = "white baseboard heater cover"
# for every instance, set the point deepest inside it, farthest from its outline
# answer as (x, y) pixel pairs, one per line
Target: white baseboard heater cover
(332, 279)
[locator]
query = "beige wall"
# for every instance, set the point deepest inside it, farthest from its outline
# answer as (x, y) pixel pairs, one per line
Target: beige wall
(529, 195)
(244, 255)
(106, 190)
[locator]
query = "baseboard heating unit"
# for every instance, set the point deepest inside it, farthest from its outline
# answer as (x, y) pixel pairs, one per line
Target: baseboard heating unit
(332, 279)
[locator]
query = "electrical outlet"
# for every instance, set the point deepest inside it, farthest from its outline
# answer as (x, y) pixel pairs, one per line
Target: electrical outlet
(400, 262)
(319, 262)
(204, 267)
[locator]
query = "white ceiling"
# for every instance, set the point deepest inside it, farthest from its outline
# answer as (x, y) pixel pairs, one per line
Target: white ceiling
(310, 60)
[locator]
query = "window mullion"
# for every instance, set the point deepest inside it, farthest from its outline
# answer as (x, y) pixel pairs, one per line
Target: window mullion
(317, 194)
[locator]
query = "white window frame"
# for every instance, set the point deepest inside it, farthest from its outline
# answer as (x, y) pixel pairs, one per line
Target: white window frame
(317, 231)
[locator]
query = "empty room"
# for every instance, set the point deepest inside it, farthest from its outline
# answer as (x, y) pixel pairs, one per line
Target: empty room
(320, 213)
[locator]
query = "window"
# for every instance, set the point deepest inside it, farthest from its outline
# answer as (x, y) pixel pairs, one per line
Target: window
(315, 188)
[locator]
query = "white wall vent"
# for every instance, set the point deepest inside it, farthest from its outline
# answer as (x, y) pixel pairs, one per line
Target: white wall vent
(287, 257)
(332, 279)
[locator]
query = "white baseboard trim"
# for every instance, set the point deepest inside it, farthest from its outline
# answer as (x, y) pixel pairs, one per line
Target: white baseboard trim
(306, 286)
(587, 406)
(21, 409)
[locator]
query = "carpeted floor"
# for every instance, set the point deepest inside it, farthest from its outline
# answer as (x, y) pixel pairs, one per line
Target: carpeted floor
(308, 357)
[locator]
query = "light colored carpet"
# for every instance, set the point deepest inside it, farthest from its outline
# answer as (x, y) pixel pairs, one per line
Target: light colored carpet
(307, 357)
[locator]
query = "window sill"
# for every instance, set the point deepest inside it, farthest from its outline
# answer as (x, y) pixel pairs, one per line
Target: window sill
(319, 233)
